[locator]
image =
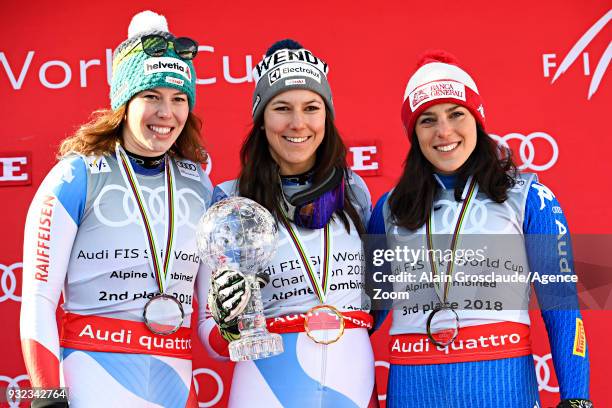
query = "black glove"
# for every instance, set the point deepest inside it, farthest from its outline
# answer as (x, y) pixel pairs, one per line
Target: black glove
(49, 403)
(263, 279)
(228, 297)
(575, 403)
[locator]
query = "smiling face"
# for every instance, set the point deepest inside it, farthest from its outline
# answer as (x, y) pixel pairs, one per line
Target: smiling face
(447, 136)
(294, 122)
(155, 119)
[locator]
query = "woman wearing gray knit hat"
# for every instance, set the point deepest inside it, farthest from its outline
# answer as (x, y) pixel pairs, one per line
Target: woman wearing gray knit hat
(112, 227)
(294, 164)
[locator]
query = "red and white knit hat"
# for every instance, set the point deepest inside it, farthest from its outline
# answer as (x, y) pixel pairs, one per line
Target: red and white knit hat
(439, 79)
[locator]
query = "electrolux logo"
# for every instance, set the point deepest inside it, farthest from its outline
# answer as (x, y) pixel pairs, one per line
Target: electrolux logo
(274, 76)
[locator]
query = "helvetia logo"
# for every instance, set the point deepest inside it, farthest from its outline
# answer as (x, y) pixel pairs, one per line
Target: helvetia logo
(166, 64)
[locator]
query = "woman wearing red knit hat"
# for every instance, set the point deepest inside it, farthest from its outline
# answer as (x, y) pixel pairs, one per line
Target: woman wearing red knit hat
(468, 234)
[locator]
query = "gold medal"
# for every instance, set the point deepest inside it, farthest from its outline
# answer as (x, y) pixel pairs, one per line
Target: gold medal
(324, 324)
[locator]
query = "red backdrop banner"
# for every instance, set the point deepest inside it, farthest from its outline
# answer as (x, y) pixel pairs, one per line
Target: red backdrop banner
(541, 67)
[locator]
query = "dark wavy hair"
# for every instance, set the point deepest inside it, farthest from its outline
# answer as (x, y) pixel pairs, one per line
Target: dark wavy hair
(259, 173)
(411, 201)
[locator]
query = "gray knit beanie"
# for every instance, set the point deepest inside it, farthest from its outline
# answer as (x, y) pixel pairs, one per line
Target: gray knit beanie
(287, 65)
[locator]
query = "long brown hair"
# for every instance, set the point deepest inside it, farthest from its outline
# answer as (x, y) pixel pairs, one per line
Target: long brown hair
(100, 135)
(411, 200)
(259, 174)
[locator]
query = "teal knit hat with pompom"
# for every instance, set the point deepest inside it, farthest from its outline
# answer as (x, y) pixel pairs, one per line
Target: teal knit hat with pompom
(135, 71)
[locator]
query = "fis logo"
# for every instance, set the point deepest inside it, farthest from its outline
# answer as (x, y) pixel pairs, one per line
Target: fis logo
(97, 164)
(578, 49)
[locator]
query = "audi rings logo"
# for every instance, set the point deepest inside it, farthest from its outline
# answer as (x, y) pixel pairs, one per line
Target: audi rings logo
(155, 201)
(527, 150)
(477, 220)
(13, 384)
(543, 373)
(186, 165)
(192, 167)
(218, 380)
(8, 282)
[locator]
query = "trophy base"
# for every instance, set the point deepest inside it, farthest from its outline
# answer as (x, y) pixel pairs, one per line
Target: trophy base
(256, 346)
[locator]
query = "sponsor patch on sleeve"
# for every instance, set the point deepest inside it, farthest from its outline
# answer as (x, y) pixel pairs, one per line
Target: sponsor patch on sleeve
(97, 164)
(188, 169)
(579, 339)
(436, 90)
(166, 64)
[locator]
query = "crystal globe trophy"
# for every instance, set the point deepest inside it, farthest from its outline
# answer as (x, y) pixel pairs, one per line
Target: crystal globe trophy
(240, 234)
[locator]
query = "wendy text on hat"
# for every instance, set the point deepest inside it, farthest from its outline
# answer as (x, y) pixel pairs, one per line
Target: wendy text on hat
(293, 162)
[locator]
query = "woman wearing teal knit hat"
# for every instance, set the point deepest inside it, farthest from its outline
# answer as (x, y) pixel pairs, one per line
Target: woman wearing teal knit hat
(112, 228)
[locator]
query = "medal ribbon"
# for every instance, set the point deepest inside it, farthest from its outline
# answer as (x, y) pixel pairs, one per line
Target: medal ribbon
(319, 287)
(159, 266)
(467, 199)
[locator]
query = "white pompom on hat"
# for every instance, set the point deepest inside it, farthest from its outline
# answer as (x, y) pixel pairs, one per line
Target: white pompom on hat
(146, 21)
(439, 79)
(135, 71)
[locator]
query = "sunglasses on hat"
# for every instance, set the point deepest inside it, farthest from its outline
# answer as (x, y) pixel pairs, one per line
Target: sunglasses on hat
(156, 45)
